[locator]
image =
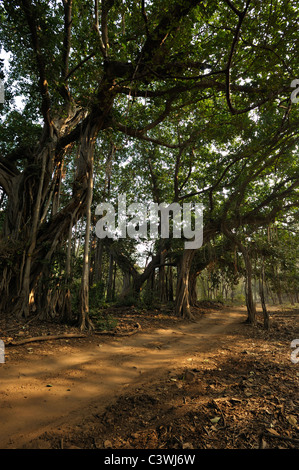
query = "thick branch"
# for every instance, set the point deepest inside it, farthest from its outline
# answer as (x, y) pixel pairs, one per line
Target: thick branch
(138, 134)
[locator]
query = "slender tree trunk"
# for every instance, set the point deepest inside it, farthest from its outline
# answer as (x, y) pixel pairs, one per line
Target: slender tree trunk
(278, 288)
(170, 284)
(182, 305)
(162, 279)
(66, 303)
(114, 282)
(251, 309)
(110, 279)
(98, 262)
(22, 307)
(262, 296)
(126, 282)
(192, 289)
(87, 150)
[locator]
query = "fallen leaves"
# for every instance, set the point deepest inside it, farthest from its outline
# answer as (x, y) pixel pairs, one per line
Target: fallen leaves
(292, 420)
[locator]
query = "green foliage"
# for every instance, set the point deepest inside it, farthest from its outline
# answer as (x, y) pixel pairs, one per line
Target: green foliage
(170, 131)
(101, 320)
(97, 295)
(127, 301)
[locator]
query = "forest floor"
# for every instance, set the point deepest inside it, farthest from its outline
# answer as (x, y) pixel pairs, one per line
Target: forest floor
(215, 383)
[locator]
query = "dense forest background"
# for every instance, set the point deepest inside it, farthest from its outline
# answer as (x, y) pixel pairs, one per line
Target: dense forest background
(178, 101)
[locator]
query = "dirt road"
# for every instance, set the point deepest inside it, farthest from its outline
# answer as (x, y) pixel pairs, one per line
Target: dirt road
(62, 384)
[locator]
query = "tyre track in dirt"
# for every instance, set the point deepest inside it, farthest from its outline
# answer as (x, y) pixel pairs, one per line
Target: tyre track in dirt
(44, 393)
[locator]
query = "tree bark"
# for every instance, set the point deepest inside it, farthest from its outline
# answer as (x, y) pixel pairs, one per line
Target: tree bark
(32, 230)
(162, 279)
(126, 283)
(251, 309)
(262, 297)
(87, 152)
(110, 279)
(22, 306)
(66, 302)
(192, 289)
(170, 284)
(182, 305)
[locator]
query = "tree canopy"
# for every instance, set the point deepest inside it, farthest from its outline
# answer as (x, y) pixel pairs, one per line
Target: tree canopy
(179, 101)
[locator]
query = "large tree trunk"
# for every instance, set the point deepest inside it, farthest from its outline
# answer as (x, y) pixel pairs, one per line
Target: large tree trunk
(22, 305)
(34, 226)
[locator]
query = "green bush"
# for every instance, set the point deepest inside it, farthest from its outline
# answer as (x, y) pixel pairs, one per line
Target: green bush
(102, 321)
(96, 295)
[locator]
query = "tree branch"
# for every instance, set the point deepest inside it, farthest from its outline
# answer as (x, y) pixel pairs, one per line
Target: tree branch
(232, 7)
(43, 83)
(82, 62)
(97, 29)
(67, 5)
(138, 134)
(232, 51)
(144, 16)
(168, 23)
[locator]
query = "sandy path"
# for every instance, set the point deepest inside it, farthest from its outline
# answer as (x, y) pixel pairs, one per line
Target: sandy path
(93, 377)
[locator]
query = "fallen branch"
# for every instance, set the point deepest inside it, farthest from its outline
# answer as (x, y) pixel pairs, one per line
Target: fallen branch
(45, 338)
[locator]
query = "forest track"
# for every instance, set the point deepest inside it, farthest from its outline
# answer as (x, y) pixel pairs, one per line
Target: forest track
(42, 392)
